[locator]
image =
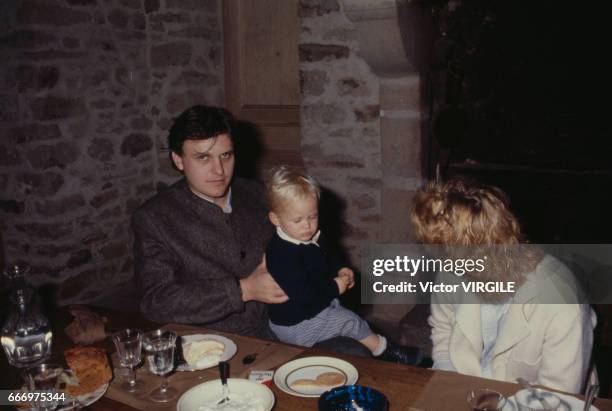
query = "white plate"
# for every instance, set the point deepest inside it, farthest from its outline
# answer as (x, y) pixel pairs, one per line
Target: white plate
(568, 403)
(229, 352)
(310, 368)
(85, 399)
(211, 392)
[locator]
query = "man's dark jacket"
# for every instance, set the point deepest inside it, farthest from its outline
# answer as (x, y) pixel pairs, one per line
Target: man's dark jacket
(189, 257)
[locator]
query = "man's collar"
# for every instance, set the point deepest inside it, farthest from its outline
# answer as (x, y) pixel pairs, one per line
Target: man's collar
(314, 240)
(227, 208)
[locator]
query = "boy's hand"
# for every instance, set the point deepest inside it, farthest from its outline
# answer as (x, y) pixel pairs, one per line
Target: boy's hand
(347, 272)
(343, 282)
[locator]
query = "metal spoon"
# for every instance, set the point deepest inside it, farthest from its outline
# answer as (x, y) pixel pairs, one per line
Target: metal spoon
(224, 372)
(590, 396)
(523, 383)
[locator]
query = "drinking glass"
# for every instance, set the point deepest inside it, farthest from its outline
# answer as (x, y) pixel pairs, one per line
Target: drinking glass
(159, 347)
(484, 399)
(129, 346)
(44, 377)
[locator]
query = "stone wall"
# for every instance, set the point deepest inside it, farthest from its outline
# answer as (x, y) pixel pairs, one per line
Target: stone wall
(340, 112)
(89, 89)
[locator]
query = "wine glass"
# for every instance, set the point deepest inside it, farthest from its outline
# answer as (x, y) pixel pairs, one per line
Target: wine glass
(159, 347)
(129, 345)
(46, 378)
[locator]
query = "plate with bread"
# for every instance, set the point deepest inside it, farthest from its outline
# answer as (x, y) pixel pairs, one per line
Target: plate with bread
(312, 376)
(89, 374)
(202, 351)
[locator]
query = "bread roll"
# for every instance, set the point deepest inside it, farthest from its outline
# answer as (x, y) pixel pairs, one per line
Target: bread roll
(203, 353)
(90, 366)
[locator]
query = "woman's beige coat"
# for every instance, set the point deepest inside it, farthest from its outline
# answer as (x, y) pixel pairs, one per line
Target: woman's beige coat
(547, 337)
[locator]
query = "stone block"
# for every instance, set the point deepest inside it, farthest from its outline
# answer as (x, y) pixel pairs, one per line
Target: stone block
(82, 2)
(170, 17)
(42, 185)
(139, 21)
(338, 161)
(356, 233)
(103, 198)
(77, 287)
(363, 201)
(132, 205)
(349, 86)
(55, 108)
(401, 94)
(102, 103)
(49, 156)
(141, 123)
(71, 42)
(36, 78)
(12, 206)
(322, 52)
(51, 55)
(313, 82)
(214, 56)
(324, 114)
(95, 237)
(34, 132)
(45, 231)
(45, 13)
(109, 214)
(132, 35)
(341, 132)
(79, 258)
(118, 18)
(9, 108)
(401, 149)
(341, 34)
(9, 156)
(151, 6)
(176, 53)
(131, 4)
(27, 39)
(209, 6)
(192, 78)
(396, 227)
(196, 33)
(367, 182)
(115, 250)
(52, 250)
(52, 208)
(367, 113)
(312, 8)
(101, 149)
(135, 144)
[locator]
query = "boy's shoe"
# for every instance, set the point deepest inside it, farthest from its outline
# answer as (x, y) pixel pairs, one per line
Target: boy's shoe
(402, 355)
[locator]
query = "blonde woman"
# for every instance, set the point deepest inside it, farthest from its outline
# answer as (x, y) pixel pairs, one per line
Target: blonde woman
(503, 337)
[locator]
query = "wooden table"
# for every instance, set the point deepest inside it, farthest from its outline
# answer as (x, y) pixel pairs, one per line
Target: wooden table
(407, 388)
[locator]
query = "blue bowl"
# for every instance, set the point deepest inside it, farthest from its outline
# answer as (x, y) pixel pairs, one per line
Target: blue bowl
(345, 398)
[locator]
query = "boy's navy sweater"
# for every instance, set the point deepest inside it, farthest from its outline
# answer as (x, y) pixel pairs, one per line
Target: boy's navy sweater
(306, 273)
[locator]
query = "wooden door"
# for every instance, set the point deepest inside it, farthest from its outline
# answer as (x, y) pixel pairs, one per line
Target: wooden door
(262, 75)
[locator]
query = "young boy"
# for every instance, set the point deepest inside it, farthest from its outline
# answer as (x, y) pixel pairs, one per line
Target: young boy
(298, 261)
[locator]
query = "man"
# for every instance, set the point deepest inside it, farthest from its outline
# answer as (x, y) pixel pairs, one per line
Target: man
(199, 244)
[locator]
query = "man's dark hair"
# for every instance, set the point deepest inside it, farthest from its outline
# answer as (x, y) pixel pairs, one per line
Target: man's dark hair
(199, 123)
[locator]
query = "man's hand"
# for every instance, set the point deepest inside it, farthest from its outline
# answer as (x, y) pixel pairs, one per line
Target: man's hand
(347, 272)
(260, 286)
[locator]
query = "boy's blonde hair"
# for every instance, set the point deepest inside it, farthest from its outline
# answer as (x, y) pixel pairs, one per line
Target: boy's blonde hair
(288, 183)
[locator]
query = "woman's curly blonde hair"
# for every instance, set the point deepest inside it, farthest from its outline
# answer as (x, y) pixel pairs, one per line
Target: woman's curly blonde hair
(459, 212)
